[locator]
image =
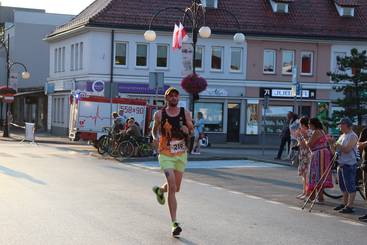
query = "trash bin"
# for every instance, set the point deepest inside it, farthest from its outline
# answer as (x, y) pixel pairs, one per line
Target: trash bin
(29, 132)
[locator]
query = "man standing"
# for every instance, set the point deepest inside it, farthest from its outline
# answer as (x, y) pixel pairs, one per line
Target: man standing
(346, 146)
(174, 125)
(285, 136)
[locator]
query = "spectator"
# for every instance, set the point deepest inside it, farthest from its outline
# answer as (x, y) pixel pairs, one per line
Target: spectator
(346, 147)
(285, 136)
(362, 147)
(199, 129)
(293, 151)
(133, 129)
(303, 132)
(320, 159)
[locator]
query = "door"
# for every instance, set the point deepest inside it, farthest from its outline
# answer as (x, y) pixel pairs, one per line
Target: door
(233, 122)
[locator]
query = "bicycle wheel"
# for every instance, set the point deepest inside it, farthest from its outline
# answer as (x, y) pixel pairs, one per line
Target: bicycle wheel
(335, 192)
(102, 144)
(126, 149)
(145, 150)
(114, 149)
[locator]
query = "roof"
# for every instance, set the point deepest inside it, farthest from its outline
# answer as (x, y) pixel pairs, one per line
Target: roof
(306, 18)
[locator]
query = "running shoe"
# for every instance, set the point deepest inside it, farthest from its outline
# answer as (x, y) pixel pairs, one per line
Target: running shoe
(176, 229)
(363, 218)
(347, 210)
(160, 196)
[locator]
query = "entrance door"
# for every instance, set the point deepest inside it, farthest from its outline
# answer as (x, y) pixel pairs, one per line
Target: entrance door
(233, 122)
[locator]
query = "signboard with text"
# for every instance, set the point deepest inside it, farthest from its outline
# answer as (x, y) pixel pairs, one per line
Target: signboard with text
(286, 93)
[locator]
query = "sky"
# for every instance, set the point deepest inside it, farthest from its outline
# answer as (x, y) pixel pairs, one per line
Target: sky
(51, 6)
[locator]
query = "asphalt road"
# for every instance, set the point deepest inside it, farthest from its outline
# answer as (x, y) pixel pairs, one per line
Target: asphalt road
(60, 195)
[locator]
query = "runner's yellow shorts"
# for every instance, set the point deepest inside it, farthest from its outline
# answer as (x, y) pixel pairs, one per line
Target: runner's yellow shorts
(173, 162)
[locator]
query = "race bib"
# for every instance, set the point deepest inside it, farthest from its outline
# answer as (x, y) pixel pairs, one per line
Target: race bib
(177, 146)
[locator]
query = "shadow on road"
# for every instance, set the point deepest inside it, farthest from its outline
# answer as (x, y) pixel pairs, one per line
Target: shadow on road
(21, 175)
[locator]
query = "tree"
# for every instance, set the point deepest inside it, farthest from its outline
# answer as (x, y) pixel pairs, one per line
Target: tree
(351, 80)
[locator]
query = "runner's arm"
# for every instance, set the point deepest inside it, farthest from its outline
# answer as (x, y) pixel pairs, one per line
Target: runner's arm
(189, 124)
(156, 123)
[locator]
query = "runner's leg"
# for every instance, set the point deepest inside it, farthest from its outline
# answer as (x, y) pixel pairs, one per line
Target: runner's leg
(171, 188)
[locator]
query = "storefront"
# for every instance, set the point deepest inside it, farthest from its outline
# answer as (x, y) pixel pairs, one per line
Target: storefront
(279, 102)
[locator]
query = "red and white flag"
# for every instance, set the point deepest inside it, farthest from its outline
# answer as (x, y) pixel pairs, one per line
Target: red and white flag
(179, 33)
(175, 43)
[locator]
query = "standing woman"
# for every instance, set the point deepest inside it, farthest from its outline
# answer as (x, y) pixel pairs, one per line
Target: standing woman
(199, 129)
(303, 135)
(320, 159)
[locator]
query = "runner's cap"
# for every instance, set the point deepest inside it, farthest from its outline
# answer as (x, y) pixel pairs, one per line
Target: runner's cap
(170, 90)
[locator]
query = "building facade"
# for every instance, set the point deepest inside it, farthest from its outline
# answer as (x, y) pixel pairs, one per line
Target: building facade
(99, 45)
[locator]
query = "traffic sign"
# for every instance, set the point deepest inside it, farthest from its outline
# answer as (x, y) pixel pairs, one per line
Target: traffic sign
(8, 98)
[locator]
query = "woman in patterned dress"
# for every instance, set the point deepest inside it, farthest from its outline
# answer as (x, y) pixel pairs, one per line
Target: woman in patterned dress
(304, 132)
(320, 159)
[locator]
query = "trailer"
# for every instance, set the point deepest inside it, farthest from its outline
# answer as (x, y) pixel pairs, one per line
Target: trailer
(89, 115)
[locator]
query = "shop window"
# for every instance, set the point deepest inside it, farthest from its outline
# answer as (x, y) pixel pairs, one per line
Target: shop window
(236, 59)
(287, 62)
(212, 114)
(199, 58)
(217, 58)
(275, 118)
(162, 56)
(269, 61)
(120, 54)
(252, 117)
(141, 55)
(307, 63)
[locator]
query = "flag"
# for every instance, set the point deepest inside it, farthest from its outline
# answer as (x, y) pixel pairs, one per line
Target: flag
(182, 34)
(175, 43)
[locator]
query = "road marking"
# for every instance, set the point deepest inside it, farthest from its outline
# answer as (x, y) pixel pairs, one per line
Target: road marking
(218, 188)
(352, 222)
(274, 202)
(322, 215)
(214, 164)
(253, 197)
(294, 208)
(236, 192)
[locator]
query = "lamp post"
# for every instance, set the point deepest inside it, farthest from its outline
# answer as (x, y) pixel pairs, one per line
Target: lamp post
(196, 14)
(9, 65)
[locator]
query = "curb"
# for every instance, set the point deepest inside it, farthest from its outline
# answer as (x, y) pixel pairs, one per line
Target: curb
(12, 139)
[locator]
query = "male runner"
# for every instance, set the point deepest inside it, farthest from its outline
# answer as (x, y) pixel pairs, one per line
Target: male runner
(174, 124)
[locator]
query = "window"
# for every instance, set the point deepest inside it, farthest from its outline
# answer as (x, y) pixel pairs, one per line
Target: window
(306, 63)
(212, 114)
(55, 60)
(287, 62)
(217, 58)
(63, 59)
(236, 59)
(210, 3)
(59, 61)
(141, 55)
(269, 61)
(199, 58)
(72, 58)
(346, 11)
(162, 56)
(276, 118)
(81, 56)
(280, 7)
(76, 62)
(252, 117)
(120, 54)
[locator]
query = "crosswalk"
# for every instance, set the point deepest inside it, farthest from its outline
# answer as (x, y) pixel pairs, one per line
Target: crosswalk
(216, 164)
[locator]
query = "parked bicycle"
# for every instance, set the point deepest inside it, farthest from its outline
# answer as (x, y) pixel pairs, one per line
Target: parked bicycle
(133, 146)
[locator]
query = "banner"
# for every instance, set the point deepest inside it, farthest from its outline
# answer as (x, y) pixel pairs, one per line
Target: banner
(187, 54)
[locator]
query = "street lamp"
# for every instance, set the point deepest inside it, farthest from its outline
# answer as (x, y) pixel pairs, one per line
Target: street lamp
(195, 13)
(25, 75)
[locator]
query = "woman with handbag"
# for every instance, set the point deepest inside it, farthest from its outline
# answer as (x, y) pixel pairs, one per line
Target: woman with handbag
(199, 130)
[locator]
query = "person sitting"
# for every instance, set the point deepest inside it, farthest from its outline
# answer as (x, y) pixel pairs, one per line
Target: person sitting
(133, 129)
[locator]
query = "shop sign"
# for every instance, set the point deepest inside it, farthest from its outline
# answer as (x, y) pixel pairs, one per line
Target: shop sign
(90, 88)
(127, 88)
(98, 86)
(286, 93)
(215, 92)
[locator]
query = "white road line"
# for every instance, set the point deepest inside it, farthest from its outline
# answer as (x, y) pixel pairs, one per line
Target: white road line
(253, 197)
(274, 202)
(218, 188)
(294, 208)
(322, 215)
(236, 192)
(352, 222)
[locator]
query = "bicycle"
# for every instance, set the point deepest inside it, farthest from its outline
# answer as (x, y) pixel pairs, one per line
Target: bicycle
(136, 146)
(104, 141)
(361, 184)
(110, 143)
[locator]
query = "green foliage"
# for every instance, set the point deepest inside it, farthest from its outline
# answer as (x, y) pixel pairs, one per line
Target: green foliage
(351, 80)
